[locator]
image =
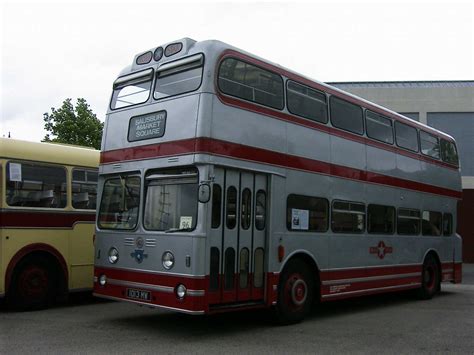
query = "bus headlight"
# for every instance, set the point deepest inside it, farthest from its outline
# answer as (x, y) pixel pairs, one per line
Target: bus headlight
(181, 291)
(102, 280)
(168, 260)
(113, 255)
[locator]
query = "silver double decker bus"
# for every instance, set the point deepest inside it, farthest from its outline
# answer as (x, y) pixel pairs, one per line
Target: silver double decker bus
(228, 182)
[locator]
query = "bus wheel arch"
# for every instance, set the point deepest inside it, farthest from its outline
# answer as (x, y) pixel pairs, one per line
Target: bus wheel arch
(36, 270)
(430, 276)
(298, 288)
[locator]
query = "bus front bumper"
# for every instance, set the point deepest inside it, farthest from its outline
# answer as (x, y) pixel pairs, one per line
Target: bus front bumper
(152, 289)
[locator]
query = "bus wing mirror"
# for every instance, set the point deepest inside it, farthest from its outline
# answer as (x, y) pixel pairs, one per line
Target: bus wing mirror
(204, 194)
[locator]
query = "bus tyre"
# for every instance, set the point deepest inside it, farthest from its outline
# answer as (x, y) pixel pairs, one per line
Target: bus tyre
(295, 292)
(32, 286)
(430, 282)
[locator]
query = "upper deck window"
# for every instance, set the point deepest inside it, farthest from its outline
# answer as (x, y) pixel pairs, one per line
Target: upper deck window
(379, 127)
(306, 102)
(429, 144)
(406, 136)
(178, 77)
(132, 89)
(249, 82)
(449, 152)
(346, 115)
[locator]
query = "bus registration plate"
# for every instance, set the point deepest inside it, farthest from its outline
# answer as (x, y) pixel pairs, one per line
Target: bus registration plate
(138, 294)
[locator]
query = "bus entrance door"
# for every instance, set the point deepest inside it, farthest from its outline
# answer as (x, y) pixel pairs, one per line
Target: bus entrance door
(238, 242)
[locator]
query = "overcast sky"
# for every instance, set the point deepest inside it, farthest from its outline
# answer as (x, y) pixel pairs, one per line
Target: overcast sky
(54, 51)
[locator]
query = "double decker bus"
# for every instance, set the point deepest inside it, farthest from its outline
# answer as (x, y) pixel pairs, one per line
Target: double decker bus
(228, 182)
(47, 214)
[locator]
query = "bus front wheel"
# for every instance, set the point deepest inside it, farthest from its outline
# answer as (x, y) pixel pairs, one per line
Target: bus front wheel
(430, 281)
(32, 284)
(295, 292)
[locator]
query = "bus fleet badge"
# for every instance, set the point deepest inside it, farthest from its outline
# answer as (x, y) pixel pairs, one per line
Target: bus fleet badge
(139, 253)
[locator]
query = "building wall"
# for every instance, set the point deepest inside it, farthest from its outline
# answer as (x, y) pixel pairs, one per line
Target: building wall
(447, 106)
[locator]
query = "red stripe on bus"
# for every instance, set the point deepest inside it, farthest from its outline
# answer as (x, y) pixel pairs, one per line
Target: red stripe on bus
(239, 151)
(457, 273)
(173, 148)
(41, 219)
(342, 274)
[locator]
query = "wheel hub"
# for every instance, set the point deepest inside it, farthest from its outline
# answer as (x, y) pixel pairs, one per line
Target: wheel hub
(34, 282)
(299, 292)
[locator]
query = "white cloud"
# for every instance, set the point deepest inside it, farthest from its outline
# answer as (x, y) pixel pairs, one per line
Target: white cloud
(53, 51)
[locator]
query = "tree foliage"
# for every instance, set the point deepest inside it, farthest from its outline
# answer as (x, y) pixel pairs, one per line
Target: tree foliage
(73, 125)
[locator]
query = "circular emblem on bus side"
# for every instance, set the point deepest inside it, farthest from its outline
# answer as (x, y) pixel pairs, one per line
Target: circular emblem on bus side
(139, 242)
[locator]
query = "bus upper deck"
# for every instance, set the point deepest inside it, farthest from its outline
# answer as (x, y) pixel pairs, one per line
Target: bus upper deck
(178, 102)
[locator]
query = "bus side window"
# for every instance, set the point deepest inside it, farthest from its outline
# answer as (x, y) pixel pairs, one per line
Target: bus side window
(447, 224)
(429, 144)
(380, 219)
(231, 208)
(431, 223)
(408, 222)
(346, 115)
(379, 127)
(260, 210)
(348, 217)
(449, 153)
(36, 185)
(306, 102)
(216, 206)
(305, 213)
(214, 269)
(245, 208)
(84, 189)
(406, 136)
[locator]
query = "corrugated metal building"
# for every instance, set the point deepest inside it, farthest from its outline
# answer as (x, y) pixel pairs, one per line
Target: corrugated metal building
(445, 105)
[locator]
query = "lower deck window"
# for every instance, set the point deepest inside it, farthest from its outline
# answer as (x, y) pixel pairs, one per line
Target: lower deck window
(381, 219)
(348, 217)
(408, 222)
(431, 223)
(447, 224)
(305, 213)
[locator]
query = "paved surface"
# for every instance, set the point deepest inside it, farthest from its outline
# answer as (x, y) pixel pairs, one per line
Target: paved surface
(371, 325)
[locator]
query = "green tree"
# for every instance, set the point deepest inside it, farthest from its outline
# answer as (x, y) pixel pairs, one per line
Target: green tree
(73, 125)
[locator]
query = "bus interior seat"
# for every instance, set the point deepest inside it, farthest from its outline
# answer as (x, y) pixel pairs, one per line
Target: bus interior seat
(47, 198)
(81, 200)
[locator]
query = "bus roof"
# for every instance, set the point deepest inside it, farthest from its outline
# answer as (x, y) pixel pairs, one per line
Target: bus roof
(49, 152)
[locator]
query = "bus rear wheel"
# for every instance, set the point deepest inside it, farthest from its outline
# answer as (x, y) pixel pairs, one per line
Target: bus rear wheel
(295, 292)
(32, 285)
(430, 281)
